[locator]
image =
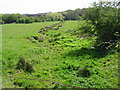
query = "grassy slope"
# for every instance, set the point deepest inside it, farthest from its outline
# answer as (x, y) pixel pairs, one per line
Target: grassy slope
(60, 60)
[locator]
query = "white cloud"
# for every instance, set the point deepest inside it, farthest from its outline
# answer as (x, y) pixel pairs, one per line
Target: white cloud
(37, 6)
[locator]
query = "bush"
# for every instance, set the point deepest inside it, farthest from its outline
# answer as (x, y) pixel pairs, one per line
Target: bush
(25, 20)
(105, 18)
(28, 20)
(11, 18)
(54, 17)
(25, 65)
(21, 20)
(84, 72)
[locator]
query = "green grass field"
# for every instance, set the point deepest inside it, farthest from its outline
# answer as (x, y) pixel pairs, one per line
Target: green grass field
(57, 55)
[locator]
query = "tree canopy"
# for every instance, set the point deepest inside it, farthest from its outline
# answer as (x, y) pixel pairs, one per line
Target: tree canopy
(54, 17)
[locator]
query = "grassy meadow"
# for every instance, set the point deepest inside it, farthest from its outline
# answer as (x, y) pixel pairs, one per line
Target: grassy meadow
(56, 55)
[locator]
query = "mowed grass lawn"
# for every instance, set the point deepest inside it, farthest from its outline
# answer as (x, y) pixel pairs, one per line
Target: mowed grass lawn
(62, 56)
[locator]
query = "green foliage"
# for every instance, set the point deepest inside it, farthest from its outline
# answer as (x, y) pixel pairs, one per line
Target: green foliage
(25, 65)
(28, 20)
(35, 19)
(73, 14)
(21, 20)
(10, 18)
(68, 59)
(54, 17)
(104, 15)
(86, 26)
(25, 20)
(70, 15)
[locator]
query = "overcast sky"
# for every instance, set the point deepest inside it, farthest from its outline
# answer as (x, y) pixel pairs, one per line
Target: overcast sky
(41, 6)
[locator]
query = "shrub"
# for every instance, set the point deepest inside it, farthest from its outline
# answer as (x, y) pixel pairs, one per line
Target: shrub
(21, 63)
(11, 18)
(28, 20)
(104, 15)
(29, 67)
(25, 65)
(21, 20)
(83, 72)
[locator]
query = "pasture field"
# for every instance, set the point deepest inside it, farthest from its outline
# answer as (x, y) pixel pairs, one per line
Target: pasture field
(55, 54)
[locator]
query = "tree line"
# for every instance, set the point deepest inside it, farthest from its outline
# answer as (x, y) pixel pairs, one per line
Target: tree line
(58, 16)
